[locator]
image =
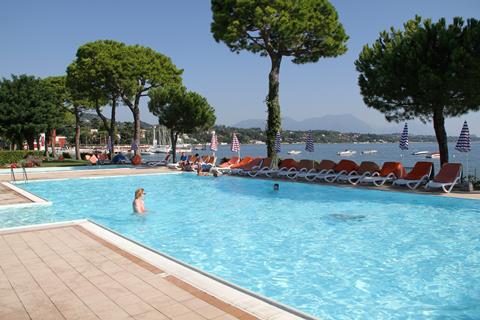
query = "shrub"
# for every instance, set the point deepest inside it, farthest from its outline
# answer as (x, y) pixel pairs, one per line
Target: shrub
(66, 155)
(16, 156)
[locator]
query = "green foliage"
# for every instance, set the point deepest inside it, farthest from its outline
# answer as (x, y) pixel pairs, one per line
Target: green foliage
(181, 111)
(305, 30)
(28, 106)
(427, 71)
(16, 156)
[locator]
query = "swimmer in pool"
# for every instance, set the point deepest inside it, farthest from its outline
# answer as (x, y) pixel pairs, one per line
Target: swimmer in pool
(138, 204)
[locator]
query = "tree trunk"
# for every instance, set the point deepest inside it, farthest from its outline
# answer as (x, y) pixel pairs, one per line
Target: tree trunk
(47, 141)
(136, 122)
(441, 134)
(54, 142)
(100, 114)
(77, 133)
(111, 132)
(173, 137)
(273, 104)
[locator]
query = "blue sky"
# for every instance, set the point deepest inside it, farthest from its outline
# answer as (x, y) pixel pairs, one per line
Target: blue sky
(41, 38)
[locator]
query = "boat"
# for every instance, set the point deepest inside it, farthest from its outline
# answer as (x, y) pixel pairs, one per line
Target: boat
(146, 153)
(294, 152)
(369, 151)
(433, 155)
(346, 153)
(420, 153)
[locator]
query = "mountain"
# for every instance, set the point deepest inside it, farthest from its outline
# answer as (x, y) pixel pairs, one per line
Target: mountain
(341, 122)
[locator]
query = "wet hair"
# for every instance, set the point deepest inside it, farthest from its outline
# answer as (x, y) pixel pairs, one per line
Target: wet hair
(276, 186)
(139, 192)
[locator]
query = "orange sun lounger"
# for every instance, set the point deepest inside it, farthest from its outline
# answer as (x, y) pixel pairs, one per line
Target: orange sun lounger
(419, 174)
(447, 177)
(390, 172)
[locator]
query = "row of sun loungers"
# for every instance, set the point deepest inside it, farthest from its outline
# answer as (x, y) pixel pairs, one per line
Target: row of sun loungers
(347, 171)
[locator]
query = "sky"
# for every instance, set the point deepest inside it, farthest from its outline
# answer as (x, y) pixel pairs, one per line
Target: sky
(41, 38)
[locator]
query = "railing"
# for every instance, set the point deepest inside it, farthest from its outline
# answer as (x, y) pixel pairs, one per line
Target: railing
(13, 178)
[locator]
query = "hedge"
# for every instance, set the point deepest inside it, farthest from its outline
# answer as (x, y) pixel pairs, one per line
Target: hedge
(16, 156)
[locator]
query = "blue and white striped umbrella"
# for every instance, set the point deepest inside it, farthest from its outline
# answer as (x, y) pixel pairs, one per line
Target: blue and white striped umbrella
(309, 147)
(214, 142)
(134, 146)
(109, 144)
(463, 142)
(278, 141)
(404, 138)
(235, 143)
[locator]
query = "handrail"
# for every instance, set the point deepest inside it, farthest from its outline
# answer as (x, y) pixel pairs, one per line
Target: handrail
(12, 175)
(25, 176)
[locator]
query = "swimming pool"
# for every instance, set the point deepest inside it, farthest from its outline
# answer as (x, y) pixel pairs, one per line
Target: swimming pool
(336, 253)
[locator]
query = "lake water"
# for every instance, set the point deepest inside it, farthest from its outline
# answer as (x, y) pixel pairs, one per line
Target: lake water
(386, 152)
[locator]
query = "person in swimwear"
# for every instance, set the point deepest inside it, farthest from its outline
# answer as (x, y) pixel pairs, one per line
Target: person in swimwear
(138, 204)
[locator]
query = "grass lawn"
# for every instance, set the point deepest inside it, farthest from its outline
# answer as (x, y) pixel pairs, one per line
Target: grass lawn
(65, 163)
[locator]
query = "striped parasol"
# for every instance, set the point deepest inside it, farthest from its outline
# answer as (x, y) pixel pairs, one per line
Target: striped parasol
(235, 144)
(404, 138)
(214, 142)
(278, 142)
(134, 146)
(309, 147)
(109, 144)
(464, 143)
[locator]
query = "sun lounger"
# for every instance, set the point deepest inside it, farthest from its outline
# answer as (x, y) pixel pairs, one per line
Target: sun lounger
(163, 162)
(343, 167)
(233, 168)
(302, 166)
(244, 170)
(229, 163)
(447, 177)
(285, 166)
(264, 169)
(366, 168)
(319, 168)
(390, 172)
(419, 174)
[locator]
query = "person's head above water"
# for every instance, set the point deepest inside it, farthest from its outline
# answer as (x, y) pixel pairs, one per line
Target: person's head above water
(276, 187)
(139, 192)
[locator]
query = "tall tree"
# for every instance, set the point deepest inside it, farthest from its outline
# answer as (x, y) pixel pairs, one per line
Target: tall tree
(427, 71)
(61, 100)
(181, 111)
(143, 69)
(28, 106)
(93, 78)
(305, 30)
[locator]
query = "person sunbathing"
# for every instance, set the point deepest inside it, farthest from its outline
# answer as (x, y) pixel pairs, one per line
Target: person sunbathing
(138, 203)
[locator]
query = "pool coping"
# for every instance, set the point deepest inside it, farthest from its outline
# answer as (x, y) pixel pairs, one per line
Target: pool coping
(34, 199)
(189, 276)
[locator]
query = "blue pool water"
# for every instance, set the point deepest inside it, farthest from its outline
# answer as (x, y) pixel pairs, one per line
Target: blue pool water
(336, 253)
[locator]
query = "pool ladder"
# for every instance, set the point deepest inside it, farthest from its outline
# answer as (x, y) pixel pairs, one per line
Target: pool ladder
(24, 174)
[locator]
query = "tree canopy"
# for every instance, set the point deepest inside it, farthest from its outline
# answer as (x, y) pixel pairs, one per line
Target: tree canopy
(427, 71)
(107, 70)
(28, 106)
(305, 30)
(181, 111)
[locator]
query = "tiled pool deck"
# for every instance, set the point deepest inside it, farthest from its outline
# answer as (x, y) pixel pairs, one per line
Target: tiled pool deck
(66, 271)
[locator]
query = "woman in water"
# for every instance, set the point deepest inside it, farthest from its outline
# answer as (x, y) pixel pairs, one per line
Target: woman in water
(138, 204)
